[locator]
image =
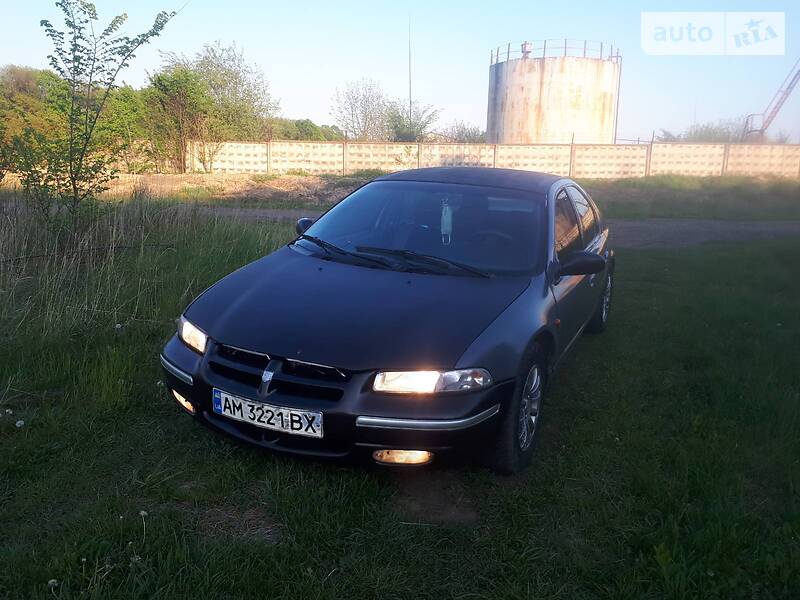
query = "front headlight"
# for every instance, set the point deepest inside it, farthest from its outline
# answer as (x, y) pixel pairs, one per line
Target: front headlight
(431, 382)
(192, 336)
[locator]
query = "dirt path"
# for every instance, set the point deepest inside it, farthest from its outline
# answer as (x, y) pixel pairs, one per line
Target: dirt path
(626, 233)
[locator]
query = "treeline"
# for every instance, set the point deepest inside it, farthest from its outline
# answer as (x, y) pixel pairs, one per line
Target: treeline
(66, 131)
(212, 97)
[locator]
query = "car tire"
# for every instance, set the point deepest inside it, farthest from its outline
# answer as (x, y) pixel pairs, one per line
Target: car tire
(514, 447)
(599, 320)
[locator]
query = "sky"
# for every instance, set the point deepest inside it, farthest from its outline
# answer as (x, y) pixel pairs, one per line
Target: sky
(308, 48)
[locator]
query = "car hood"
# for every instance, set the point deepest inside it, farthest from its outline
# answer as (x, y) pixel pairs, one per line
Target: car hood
(293, 305)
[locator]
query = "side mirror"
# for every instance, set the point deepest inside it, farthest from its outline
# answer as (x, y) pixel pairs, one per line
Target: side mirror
(581, 262)
(302, 225)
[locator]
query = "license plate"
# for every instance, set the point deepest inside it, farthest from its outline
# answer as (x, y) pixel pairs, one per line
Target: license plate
(277, 418)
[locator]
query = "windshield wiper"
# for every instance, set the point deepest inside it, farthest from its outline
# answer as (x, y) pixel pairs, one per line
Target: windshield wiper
(327, 246)
(331, 249)
(410, 255)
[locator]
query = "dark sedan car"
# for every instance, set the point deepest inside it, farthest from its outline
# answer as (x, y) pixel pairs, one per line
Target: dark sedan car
(423, 313)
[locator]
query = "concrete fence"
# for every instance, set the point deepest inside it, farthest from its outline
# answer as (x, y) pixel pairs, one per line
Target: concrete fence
(576, 160)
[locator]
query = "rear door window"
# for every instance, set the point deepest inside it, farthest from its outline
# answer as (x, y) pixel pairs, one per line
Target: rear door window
(567, 234)
(586, 215)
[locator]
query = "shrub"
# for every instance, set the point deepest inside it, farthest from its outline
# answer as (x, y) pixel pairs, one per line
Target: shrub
(65, 164)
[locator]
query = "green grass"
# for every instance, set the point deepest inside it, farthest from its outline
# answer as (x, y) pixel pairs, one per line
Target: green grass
(738, 198)
(198, 193)
(668, 465)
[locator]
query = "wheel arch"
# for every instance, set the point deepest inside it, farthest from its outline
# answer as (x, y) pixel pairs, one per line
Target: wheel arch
(546, 340)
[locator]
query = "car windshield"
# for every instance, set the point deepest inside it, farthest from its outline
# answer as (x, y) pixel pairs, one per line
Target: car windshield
(492, 230)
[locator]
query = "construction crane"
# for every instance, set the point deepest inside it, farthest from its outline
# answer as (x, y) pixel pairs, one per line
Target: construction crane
(756, 125)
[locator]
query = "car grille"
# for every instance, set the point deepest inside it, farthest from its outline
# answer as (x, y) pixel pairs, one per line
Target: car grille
(290, 377)
(246, 357)
(242, 366)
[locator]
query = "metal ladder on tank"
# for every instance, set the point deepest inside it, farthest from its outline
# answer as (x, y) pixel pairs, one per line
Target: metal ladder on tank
(756, 125)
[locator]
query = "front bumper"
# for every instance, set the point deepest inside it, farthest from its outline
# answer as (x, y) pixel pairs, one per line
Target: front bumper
(356, 419)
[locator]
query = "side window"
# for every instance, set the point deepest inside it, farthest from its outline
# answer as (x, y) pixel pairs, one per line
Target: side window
(586, 215)
(568, 236)
(597, 213)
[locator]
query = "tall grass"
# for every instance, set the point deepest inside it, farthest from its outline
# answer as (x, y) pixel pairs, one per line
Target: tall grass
(135, 261)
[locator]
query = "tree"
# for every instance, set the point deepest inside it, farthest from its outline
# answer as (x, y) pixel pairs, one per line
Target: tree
(359, 110)
(239, 90)
(28, 97)
(282, 129)
(67, 165)
(302, 129)
(332, 133)
(459, 131)
(41, 163)
(180, 105)
(122, 129)
(410, 124)
(309, 130)
(239, 103)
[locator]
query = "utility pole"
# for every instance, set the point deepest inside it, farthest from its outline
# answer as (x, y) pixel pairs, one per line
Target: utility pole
(409, 69)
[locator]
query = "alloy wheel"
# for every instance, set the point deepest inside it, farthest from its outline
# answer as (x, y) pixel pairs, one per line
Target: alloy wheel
(529, 407)
(607, 298)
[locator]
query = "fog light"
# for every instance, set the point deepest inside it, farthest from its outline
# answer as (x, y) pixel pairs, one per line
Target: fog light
(183, 402)
(403, 457)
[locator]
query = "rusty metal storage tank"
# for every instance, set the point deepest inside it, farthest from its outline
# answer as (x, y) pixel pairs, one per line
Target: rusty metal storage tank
(553, 92)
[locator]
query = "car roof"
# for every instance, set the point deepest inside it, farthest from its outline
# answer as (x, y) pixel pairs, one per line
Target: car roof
(529, 181)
